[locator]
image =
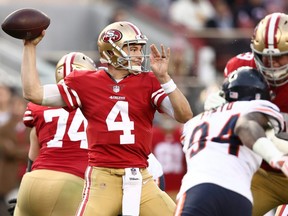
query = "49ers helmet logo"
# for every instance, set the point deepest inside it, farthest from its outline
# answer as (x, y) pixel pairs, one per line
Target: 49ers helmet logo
(113, 34)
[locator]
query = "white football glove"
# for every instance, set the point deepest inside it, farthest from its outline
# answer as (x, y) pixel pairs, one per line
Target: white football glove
(281, 144)
(280, 163)
(214, 100)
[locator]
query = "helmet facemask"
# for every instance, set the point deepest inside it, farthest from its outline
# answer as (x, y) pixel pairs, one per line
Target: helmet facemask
(269, 42)
(275, 76)
(128, 60)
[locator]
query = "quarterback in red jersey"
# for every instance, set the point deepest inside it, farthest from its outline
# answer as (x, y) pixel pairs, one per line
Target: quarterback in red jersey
(58, 153)
(119, 104)
(270, 55)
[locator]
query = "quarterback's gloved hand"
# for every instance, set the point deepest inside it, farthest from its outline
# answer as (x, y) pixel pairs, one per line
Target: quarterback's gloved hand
(214, 100)
(280, 163)
(12, 204)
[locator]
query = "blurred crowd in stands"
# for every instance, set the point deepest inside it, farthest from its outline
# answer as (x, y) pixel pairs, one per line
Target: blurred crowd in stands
(199, 14)
(224, 25)
(14, 144)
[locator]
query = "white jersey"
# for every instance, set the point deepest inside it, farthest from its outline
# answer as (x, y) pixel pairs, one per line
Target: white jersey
(214, 154)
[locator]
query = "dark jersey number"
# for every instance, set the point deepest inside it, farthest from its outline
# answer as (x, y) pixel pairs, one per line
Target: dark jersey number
(200, 133)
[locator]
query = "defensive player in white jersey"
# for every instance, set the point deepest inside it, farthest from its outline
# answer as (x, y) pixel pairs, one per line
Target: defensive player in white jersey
(119, 104)
(224, 147)
(58, 154)
(270, 55)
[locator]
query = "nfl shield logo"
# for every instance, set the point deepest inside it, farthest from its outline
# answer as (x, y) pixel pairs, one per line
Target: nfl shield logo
(133, 171)
(116, 89)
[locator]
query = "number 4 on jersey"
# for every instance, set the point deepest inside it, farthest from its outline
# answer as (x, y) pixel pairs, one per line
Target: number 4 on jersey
(121, 107)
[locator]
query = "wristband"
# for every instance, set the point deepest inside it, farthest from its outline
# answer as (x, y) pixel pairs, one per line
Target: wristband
(266, 149)
(169, 87)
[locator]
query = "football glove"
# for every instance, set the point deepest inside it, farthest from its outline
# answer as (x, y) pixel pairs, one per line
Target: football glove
(214, 100)
(280, 140)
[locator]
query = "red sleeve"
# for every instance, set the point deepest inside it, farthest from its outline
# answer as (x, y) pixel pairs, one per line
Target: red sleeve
(28, 118)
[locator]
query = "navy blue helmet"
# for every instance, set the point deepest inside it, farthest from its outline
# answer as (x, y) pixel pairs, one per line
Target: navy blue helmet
(246, 84)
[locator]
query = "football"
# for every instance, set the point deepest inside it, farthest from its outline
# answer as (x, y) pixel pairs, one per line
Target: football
(26, 23)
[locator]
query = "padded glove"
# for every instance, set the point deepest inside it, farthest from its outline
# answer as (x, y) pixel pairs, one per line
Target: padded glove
(214, 100)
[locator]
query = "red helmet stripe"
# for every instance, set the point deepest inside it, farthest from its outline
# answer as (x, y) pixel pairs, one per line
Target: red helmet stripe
(69, 60)
(135, 28)
(64, 66)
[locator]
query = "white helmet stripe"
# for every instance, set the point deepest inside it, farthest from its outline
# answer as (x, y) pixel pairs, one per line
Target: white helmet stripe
(272, 29)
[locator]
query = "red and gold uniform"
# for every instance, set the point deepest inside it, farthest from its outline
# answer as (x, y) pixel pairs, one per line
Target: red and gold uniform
(55, 184)
(120, 116)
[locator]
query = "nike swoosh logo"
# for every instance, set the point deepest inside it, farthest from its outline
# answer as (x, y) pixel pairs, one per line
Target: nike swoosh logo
(144, 182)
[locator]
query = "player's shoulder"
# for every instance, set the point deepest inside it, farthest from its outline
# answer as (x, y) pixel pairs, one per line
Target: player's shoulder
(240, 60)
(38, 107)
(35, 107)
(29, 114)
(144, 78)
(83, 73)
(246, 106)
(76, 78)
(148, 75)
(263, 104)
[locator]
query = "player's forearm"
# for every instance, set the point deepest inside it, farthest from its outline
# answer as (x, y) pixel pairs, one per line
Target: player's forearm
(248, 131)
(182, 109)
(32, 89)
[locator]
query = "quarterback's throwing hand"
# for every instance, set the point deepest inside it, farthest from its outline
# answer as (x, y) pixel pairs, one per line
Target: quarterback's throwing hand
(36, 40)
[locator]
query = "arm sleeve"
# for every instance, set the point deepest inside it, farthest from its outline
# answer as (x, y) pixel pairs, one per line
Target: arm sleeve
(166, 107)
(52, 96)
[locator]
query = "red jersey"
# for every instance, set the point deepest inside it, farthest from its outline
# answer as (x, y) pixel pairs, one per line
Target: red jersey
(119, 115)
(279, 93)
(62, 138)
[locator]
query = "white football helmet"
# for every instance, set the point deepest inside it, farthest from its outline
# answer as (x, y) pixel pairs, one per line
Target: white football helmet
(112, 40)
(270, 40)
(72, 61)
